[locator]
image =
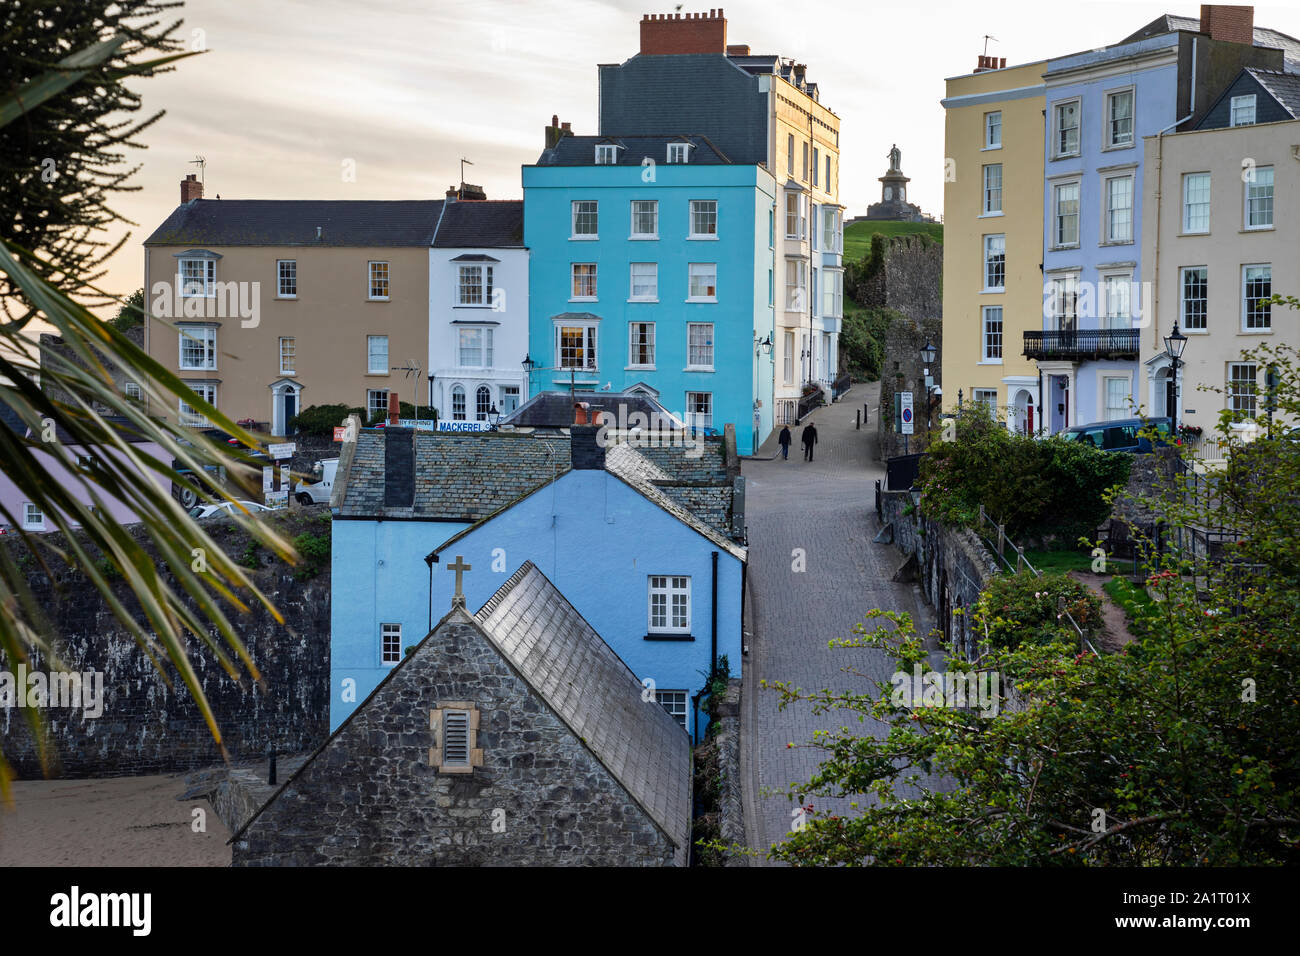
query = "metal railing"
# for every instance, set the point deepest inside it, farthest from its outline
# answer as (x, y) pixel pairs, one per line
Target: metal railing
(840, 386)
(787, 411)
(810, 401)
(1082, 344)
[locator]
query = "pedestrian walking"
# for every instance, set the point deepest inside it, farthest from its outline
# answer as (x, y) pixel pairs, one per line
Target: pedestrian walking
(809, 439)
(784, 441)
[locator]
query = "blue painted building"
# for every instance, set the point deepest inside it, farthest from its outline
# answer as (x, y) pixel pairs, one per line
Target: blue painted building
(640, 541)
(653, 262)
(1100, 106)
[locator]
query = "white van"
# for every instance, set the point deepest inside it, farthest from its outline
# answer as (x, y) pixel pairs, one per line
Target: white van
(318, 490)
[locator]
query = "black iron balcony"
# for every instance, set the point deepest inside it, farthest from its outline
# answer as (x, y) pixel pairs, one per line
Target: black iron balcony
(1074, 345)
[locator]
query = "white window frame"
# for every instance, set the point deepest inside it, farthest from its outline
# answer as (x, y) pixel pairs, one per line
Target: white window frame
(1122, 411)
(1188, 179)
(1239, 104)
(390, 643)
(986, 350)
(697, 209)
(679, 153)
(459, 404)
(590, 346)
(676, 705)
(788, 359)
(483, 403)
(1058, 152)
(669, 586)
(982, 396)
(816, 162)
(633, 346)
(484, 348)
(476, 293)
(186, 414)
(1233, 398)
(1252, 184)
(991, 192)
(209, 279)
(1108, 213)
(575, 212)
(573, 282)
(283, 275)
(796, 293)
(206, 335)
(654, 211)
(381, 276)
(647, 269)
(711, 345)
(988, 242)
(832, 293)
(290, 352)
(1057, 221)
(1108, 318)
(606, 154)
(989, 126)
(794, 217)
(831, 229)
(706, 290)
(133, 391)
(1108, 121)
(371, 406)
(30, 523)
(789, 155)
(1203, 320)
(696, 419)
(1267, 311)
(371, 369)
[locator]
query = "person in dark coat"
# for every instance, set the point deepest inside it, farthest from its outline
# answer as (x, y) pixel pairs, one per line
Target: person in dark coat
(809, 439)
(784, 441)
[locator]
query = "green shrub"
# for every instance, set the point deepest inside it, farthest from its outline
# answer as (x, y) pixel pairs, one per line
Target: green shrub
(314, 549)
(406, 410)
(1016, 609)
(319, 420)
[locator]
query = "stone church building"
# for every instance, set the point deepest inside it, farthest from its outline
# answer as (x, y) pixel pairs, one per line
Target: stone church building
(510, 737)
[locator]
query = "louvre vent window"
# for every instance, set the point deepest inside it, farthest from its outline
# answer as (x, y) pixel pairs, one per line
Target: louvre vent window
(456, 738)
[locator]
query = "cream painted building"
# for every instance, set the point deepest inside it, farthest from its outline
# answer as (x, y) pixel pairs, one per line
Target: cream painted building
(993, 214)
(1226, 233)
(267, 307)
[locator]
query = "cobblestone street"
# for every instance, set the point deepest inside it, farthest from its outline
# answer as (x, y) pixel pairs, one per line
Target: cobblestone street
(827, 508)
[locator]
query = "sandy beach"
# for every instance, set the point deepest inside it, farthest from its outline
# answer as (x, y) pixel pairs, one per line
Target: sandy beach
(119, 821)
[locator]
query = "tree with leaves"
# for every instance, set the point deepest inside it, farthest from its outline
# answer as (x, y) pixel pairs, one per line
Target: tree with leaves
(63, 65)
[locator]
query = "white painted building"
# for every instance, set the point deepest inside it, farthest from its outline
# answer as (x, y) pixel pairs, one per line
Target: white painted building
(478, 310)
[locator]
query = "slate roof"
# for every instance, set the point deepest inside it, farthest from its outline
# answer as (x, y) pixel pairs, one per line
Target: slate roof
(457, 476)
(1263, 36)
(555, 409)
(581, 150)
(293, 222)
(481, 224)
(1283, 87)
(594, 693)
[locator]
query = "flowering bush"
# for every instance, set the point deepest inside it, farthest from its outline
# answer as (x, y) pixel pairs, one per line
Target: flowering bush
(1024, 608)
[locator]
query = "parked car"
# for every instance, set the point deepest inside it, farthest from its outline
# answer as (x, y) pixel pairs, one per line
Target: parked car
(214, 478)
(226, 508)
(1123, 434)
(318, 488)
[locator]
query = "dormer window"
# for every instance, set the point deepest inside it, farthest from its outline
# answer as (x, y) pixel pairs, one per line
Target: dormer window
(1243, 110)
(606, 154)
(679, 152)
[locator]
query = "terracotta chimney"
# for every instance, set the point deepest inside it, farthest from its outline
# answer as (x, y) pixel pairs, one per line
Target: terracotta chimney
(737, 49)
(394, 409)
(191, 188)
(581, 413)
(672, 33)
(1228, 23)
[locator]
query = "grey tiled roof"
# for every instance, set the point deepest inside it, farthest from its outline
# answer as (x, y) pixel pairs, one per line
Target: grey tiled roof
(555, 409)
(1263, 36)
(481, 224)
(589, 687)
(293, 222)
(581, 150)
(458, 477)
(677, 463)
(1283, 87)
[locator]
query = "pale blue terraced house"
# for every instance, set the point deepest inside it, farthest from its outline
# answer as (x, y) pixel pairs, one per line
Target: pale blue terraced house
(1101, 104)
(652, 264)
(646, 543)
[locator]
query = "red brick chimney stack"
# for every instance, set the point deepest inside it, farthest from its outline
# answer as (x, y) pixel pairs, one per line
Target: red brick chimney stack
(394, 409)
(191, 188)
(986, 63)
(673, 33)
(1228, 23)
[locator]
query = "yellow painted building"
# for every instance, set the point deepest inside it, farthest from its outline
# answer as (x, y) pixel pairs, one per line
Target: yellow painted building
(993, 234)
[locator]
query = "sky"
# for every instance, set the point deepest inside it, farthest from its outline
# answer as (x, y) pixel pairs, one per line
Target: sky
(290, 93)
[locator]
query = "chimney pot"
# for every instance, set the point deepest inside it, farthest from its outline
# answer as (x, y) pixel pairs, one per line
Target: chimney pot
(675, 33)
(191, 188)
(394, 409)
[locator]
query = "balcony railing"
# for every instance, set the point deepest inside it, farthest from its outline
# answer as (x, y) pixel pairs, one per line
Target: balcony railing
(1082, 344)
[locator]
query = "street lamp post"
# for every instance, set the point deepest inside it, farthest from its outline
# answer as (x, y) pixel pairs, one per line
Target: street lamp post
(528, 365)
(928, 355)
(1175, 342)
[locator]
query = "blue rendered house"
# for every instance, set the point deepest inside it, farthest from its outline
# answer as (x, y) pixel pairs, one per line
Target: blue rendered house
(640, 540)
(652, 262)
(1096, 296)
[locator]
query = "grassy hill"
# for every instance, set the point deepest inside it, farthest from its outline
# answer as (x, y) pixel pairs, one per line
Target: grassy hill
(857, 237)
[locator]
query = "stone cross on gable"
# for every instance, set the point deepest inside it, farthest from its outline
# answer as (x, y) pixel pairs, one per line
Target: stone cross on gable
(460, 567)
